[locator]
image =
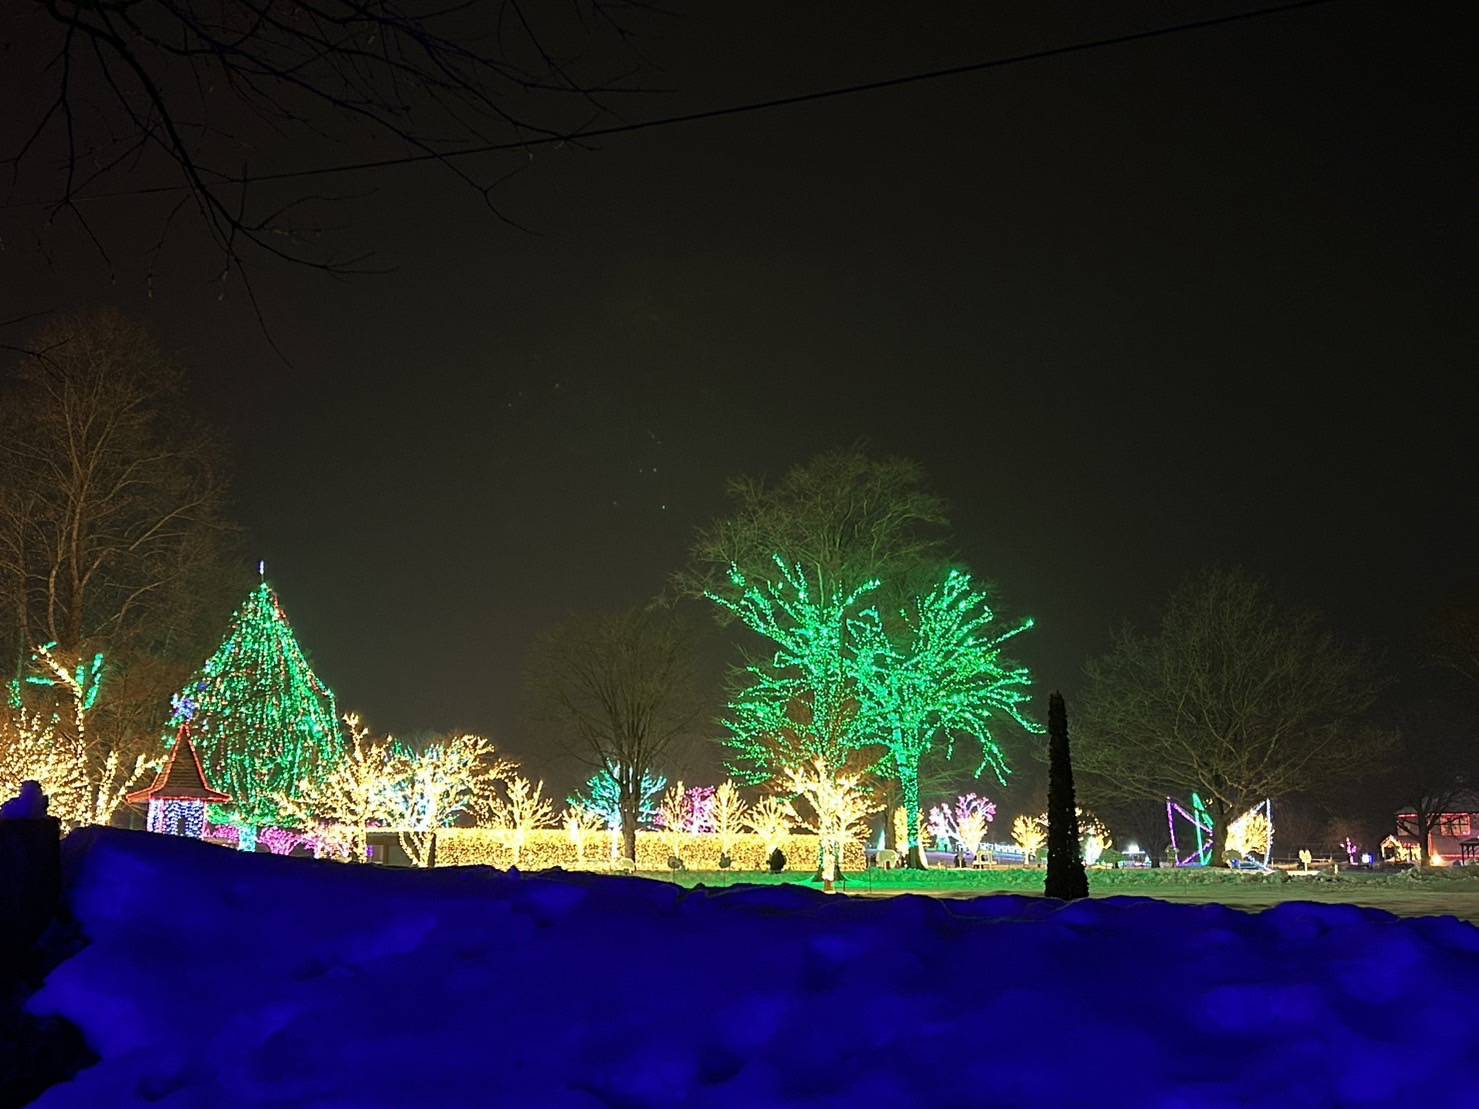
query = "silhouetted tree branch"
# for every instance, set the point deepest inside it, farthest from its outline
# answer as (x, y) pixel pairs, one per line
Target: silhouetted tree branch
(191, 99)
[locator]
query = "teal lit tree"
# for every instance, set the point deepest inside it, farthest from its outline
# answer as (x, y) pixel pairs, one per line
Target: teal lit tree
(602, 795)
(940, 676)
(262, 721)
(801, 702)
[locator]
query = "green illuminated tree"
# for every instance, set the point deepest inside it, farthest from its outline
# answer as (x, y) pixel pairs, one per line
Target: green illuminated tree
(801, 702)
(940, 677)
(792, 561)
(263, 721)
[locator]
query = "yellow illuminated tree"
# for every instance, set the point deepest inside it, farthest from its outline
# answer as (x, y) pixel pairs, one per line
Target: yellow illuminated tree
(519, 811)
(1028, 834)
(772, 819)
(1094, 837)
(440, 783)
(84, 778)
(671, 816)
(729, 815)
(360, 789)
(580, 825)
(841, 805)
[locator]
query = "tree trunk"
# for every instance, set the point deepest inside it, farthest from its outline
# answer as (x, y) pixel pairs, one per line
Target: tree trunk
(909, 780)
(628, 805)
(1219, 835)
(1426, 822)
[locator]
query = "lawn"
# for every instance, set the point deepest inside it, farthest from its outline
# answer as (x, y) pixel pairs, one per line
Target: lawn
(1441, 893)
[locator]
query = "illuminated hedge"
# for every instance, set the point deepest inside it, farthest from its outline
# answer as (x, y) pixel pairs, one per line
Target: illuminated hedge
(551, 847)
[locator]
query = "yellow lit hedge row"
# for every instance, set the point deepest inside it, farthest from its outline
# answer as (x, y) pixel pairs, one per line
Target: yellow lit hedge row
(550, 847)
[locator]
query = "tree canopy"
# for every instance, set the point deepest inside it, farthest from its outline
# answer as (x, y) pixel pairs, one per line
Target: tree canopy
(1232, 696)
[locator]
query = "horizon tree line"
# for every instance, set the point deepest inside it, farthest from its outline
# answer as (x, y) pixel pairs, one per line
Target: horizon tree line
(859, 641)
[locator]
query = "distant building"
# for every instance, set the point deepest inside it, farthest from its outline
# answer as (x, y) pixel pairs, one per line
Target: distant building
(1454, 839)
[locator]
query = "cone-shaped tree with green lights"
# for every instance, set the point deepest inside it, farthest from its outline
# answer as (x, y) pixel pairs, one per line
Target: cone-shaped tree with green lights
(1066, 877)
(939, 676)
(261, 719)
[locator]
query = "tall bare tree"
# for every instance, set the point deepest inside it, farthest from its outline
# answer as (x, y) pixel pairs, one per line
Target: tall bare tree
(111, 531)
(844, 516)
(620, 686)
(1455, 637)
(1232, 697)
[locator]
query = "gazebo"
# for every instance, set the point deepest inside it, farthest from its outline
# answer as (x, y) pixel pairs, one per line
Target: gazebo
(180, 793)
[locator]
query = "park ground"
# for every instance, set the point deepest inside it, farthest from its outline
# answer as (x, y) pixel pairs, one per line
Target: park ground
(1438, 893)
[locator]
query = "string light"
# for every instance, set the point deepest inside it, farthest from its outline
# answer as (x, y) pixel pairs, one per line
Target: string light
(519, 813)
(1252, 834)
(85, 781)
(545, 848)
(603, 795)
(771, 820)
(580, 824)
(841, 805)
(265, 723)
(342, 802)
(729, 812)
(966, 824)
(801, 703)
(942, 676)
(1201, 821)
(437, 785)
(1029, 836)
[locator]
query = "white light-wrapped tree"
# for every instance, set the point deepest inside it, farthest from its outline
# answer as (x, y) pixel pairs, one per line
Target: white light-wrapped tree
(519, 810)
(84, 778)
(1094, 836)
(728, 813)
(772, 819)
(965, 824)
(439, 784)
(581, 825)
(841, 805)
(359, 790)
(672, 814)
(1028, 834)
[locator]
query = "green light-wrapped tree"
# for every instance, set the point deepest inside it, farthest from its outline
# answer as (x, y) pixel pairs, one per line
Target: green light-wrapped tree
(262, 720)
(941, 675)
(801, 702)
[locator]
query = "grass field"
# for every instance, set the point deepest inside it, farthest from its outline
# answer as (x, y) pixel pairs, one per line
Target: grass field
(1439, 895)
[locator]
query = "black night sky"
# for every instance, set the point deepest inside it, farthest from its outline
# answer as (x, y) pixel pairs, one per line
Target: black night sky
(1202, 298)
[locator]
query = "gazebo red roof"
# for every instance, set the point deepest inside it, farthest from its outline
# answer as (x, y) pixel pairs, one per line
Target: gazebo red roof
(180, 779)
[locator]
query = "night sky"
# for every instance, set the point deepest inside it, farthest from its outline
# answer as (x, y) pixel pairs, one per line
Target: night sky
(1203, 298)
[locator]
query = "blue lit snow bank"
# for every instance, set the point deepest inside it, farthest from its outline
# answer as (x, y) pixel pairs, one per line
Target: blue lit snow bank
(220, 979)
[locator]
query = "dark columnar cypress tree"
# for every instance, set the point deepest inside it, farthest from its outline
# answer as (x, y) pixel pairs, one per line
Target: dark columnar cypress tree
(1066, 878)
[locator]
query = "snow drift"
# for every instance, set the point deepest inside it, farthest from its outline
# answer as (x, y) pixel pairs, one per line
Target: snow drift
(214, 978)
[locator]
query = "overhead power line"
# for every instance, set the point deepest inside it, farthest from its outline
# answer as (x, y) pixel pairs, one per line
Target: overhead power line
(801, 98)
(752, 106)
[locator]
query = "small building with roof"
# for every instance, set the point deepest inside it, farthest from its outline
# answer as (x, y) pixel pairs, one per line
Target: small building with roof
(178, 798)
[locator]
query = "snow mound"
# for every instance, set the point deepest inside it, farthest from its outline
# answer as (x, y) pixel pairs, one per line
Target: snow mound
(215, 978)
